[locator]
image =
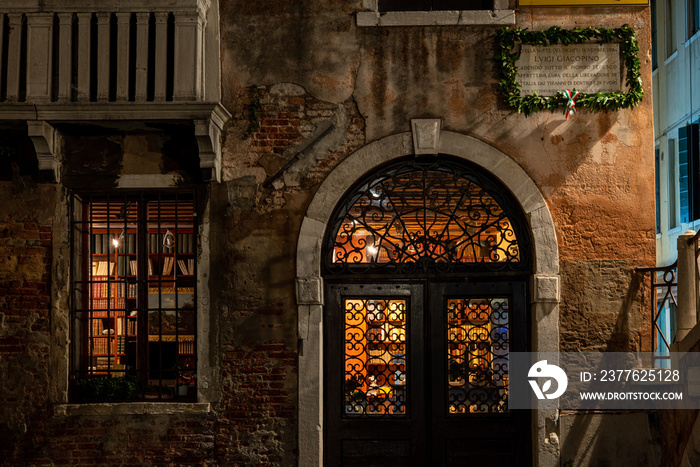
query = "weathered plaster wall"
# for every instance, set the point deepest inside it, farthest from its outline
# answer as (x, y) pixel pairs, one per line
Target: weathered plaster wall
(598, 440)
(591, 168)
(97, 157)
(595, 169)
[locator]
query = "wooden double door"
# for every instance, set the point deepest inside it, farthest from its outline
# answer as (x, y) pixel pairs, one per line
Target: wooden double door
(416, 374)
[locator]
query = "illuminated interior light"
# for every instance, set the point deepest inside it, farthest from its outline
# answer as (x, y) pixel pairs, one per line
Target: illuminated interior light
(117, 240)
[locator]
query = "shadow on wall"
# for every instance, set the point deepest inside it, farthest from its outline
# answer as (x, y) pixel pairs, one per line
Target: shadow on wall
(562, 146)
(602, 440)
(597, 439)
(627, 337)
(17, 155)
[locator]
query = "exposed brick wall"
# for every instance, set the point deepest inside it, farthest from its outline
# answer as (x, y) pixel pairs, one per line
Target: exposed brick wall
(261, 411)
(30, 432)
(25, 264)
(290, 133)
(118, 440)
(255, 292)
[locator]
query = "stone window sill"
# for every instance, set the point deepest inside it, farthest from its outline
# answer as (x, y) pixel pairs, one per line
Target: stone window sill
(436, 18)
(133, 408)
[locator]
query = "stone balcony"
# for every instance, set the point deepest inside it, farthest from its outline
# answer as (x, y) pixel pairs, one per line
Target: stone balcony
(94, 61)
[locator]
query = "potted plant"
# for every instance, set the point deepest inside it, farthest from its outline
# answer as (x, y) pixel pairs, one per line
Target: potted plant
(355, 398)
(184, 382)
(107, 389)
(186, 377)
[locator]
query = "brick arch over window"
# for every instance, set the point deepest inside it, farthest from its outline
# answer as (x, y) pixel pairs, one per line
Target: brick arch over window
(544, 287)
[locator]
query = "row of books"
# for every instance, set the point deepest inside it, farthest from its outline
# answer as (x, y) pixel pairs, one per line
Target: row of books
(107, 303)
(103, 345)
(106, 268)
(168, 264)
(104, 327)
(103, 363)
(185, 347)
(107, 313)
(183, 243)
(102, 268)
(102, 289)
(186, 266)
(103, 244)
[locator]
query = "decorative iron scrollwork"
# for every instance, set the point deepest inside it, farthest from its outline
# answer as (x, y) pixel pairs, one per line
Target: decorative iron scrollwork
(418, 217)
(477, 355)
(375, 358)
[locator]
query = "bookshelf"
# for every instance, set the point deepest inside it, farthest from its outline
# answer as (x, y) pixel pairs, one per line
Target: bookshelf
(168, 262)
(112, 328)
(126, 301)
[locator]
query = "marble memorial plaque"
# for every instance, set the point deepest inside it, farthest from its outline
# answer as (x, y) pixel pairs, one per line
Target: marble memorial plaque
(588, 68)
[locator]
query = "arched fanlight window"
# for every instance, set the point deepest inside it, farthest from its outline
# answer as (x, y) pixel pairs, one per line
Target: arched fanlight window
(427, 216)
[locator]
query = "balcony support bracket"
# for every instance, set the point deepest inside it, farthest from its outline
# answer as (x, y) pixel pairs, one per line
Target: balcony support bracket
(208, 134)
(45, 139)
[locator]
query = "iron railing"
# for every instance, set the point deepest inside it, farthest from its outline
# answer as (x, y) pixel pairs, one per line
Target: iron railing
(663, 282)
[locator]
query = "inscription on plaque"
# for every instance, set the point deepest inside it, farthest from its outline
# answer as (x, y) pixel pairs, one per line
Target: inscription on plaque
(588, 68)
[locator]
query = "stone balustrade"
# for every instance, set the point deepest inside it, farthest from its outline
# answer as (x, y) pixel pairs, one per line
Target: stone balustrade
(96, 61)
(96, 52)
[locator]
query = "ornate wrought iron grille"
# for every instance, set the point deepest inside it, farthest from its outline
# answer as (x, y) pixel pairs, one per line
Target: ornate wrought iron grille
(477, 355)
(375, 358)
(417, 217)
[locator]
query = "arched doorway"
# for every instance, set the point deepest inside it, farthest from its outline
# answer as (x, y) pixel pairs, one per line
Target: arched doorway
(426, 263)
(543, 286)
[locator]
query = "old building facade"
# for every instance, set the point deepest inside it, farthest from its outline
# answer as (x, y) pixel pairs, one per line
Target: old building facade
(267, 185)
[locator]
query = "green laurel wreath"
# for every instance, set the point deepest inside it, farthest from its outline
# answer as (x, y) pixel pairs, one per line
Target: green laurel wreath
(508, 38)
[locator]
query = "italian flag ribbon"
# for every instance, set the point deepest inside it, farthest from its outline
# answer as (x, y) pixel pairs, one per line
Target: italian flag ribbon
(570, 104)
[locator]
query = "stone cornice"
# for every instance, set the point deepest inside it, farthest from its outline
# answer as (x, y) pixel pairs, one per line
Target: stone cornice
(95, 111)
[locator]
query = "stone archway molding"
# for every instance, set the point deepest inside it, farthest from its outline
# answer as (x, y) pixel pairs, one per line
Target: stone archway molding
(544, 287)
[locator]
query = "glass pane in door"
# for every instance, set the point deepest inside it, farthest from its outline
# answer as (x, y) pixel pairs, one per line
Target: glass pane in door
(375, 358)
(477, 355)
